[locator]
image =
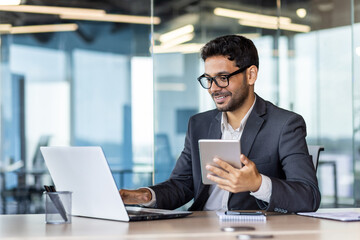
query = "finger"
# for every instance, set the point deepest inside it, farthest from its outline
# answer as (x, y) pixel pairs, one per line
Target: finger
(245, 160)
(127, 196)
(217, 171)
(224, 164)
(217, 179)
(123, 193)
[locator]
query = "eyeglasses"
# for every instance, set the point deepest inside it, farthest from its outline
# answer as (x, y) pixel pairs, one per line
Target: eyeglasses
(221, 81)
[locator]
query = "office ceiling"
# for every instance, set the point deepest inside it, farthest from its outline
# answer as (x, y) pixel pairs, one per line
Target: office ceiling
(321, 13)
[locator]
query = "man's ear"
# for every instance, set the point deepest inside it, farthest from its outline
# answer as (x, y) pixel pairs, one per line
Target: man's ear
(252, 74)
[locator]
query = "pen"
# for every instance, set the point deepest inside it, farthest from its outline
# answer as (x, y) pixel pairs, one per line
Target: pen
(244, 213)
(57, 202)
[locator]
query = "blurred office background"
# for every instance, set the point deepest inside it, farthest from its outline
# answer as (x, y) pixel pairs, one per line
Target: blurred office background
(121, 74)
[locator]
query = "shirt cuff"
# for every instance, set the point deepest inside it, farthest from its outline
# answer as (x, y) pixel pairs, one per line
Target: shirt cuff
(265, 190)
(152, 202)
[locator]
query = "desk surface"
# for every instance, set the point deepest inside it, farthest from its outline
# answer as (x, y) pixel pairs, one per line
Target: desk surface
(199, 225)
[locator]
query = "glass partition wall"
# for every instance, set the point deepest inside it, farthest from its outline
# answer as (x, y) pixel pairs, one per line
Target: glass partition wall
(121, 74)
(355, 54)
(69, 71)
(308, 57)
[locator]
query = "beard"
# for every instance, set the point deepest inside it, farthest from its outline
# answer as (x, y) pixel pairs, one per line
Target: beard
(237, 100)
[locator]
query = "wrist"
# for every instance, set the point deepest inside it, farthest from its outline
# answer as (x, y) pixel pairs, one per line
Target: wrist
(152, 202)
(257, 184)
(146, 195)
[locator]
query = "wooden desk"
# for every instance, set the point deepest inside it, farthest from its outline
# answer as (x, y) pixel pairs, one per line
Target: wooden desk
(200, 225)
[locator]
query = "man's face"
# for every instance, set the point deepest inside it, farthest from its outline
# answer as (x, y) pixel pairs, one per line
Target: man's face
(233, 96)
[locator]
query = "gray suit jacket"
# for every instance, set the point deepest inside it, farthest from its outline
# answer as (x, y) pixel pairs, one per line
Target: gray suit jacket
(273, 138)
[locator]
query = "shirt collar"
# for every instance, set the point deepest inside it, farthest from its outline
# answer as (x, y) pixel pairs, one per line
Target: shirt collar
(226, 126)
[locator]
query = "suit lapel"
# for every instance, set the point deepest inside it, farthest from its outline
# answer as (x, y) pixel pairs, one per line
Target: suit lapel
(253, 125)
(215, 127)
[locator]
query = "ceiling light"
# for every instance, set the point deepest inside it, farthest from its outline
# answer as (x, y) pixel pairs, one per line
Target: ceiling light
(261, 20)
(86, 14)
(178, 40)
(176, 33)
(10, 2)
(295, 27)
(182, 48)
(250, 16)
(326, 6)
(44, 28)
(5, 28)
(112, 18)
(250, 35)
(301, 12)
(52, 10)
(258, 24)
(289, 26)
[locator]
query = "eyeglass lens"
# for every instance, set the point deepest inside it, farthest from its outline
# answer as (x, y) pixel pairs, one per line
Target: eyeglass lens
(220, 81)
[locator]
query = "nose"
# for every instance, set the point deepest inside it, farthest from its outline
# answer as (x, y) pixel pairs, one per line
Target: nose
(214, 88)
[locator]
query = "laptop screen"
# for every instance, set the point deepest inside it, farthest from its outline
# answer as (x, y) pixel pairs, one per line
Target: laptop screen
(85, 172)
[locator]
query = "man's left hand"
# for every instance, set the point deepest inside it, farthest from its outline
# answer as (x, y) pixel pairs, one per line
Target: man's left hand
(233, 179)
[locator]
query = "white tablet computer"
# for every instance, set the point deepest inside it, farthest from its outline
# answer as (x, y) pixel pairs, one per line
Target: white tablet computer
(227, 150)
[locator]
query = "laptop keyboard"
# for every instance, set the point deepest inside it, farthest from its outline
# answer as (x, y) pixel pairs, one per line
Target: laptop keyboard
(141, 213)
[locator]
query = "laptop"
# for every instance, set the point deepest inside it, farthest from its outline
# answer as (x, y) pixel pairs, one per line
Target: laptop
(85, 172)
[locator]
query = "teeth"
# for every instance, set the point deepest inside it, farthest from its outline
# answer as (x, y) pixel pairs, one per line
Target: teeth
(220, 97)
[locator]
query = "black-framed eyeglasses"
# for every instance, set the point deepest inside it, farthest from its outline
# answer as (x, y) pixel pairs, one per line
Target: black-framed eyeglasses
(221, 81)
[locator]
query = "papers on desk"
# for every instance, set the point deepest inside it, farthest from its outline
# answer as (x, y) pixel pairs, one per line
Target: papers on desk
(339, 216)
(231, 216)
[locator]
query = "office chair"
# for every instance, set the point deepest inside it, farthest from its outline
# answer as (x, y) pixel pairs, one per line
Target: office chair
(314, 151)
(24, 194)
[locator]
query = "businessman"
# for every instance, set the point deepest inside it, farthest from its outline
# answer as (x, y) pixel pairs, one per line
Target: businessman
(278, 174)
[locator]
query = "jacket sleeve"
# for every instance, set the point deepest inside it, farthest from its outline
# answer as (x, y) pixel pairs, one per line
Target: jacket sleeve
(299, 191)
(178, 189)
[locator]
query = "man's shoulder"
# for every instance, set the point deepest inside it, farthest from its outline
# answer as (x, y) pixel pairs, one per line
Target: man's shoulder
(206, 115)
(205, 118)
(277, 111)
(277, 116)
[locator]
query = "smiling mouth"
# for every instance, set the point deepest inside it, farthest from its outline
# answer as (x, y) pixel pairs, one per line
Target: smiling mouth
(220, 98)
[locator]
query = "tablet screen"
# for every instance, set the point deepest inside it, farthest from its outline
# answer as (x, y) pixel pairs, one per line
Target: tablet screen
(226, 150)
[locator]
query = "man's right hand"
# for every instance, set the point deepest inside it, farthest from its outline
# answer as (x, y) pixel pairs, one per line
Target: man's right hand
(139, 196)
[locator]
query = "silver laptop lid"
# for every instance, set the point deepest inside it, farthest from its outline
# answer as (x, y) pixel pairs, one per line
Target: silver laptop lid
(85, 172)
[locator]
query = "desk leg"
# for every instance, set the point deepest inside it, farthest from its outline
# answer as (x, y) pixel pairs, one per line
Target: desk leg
(335, 186)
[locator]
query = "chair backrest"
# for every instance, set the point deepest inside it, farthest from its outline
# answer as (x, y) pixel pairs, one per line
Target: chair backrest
(38, 159)
(314, 151)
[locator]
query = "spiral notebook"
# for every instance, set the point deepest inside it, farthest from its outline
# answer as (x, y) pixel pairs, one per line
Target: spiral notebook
(231, 216)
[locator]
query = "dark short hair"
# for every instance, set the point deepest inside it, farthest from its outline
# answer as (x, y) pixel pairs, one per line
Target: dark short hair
(235, 47)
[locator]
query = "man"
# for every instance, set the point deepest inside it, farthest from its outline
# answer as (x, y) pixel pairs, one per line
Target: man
(278, 174)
